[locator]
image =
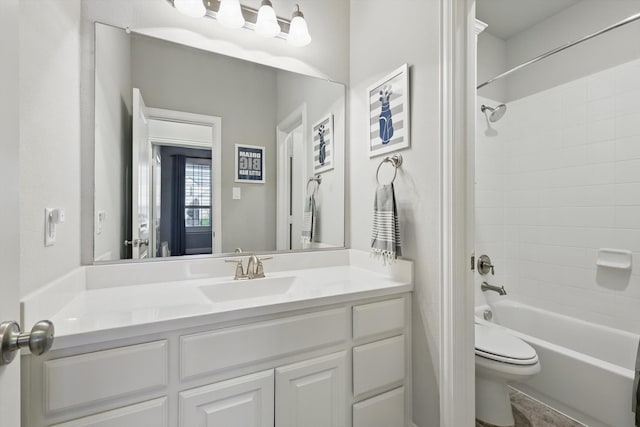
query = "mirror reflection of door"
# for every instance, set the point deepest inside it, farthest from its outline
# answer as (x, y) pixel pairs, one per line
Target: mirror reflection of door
(296, 178)
(141, 180)
(175, 206)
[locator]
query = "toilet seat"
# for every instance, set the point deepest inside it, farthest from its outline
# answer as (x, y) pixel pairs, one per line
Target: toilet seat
(500, 346)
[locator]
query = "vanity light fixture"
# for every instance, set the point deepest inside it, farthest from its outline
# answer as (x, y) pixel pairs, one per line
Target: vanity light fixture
(267, 22)
(192, 8)
(298, 31)
(263, 21)
(230, 14)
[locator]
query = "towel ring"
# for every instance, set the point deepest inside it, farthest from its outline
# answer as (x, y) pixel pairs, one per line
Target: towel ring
(396, 162)
(317, 179)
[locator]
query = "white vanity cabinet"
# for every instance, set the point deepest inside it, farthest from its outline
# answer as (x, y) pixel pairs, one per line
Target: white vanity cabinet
(341, 365)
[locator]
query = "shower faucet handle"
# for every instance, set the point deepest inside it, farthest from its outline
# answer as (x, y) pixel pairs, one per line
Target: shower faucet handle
(484, 265)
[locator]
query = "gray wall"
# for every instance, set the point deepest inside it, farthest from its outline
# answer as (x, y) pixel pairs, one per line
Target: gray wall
(321, 97)
(243, 94)
(411, 35)
(49, 40)
(113, 138)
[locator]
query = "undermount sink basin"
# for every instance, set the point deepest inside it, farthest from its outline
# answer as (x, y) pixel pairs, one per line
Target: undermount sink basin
(245, 289)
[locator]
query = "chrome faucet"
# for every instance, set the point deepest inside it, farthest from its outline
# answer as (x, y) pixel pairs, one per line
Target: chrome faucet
(255, 269)
(487, 287)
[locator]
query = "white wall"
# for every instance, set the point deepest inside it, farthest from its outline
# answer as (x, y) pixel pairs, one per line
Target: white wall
(568, 164)
(492, 61)
(384, 35)
(49, 137)
(614, 48)
(321, 97)
(113, 111)
(244, 95)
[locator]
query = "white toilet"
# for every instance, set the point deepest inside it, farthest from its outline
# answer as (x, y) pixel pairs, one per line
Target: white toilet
(500, 358)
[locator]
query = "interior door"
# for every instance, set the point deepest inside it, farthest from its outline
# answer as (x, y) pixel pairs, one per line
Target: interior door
(141, 221)
(297, 185)
(9, 214)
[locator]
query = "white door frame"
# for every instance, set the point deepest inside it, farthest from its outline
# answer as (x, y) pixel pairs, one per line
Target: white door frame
(10, 212)
(216, 161)
(457, 97)
(296, 118)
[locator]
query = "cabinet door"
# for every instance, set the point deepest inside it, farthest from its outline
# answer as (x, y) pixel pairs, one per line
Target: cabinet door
(312, 393)
(240, 402)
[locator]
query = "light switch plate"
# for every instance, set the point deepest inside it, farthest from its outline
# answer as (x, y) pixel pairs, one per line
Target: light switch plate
(237, 195)
(101, 217)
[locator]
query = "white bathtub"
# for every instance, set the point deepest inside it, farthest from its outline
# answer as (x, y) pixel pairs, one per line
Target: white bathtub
(587, 369)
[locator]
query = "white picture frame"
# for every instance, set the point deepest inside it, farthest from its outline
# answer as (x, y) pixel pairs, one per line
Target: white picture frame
(250, 164)
(322, 147)
(389, 113)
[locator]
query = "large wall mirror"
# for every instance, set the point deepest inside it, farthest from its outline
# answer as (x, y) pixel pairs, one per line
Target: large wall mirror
(199, 153)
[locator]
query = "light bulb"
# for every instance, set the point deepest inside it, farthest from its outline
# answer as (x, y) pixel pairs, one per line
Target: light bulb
(192, 8)
(298, 31)
(230, 14)
(267, 23)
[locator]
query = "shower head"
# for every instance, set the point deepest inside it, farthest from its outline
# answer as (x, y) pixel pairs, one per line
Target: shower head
(495, 113)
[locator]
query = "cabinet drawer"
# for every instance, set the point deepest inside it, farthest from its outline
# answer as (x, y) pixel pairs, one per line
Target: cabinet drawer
(381, 411)
(378, 365)
(210, 352)
(378, 318)
(151, 413)
(94, 377)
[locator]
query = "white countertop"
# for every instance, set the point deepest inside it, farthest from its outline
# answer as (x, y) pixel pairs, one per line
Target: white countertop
(96, 315)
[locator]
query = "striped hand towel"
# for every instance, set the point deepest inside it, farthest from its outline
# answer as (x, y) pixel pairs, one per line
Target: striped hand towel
(385, 237)
(309, 220)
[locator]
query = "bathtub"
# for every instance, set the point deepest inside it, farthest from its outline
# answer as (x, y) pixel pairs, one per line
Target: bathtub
(587, 369)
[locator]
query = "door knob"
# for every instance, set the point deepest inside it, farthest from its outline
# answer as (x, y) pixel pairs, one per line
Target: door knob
(39, 340)
(136, 242)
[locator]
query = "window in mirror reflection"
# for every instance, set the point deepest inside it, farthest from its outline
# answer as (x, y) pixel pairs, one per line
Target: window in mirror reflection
(185, 225)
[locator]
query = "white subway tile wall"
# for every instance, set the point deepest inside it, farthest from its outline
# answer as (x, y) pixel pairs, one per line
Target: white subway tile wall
(557, 178)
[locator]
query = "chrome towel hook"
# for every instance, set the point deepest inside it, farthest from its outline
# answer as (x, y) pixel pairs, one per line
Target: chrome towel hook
(396, 162)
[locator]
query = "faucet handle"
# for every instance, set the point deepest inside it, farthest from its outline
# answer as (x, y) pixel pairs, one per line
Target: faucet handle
(485, 265)
(239, 270)
(260, 267)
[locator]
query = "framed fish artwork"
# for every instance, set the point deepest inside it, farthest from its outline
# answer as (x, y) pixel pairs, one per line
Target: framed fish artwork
(322, 139)
(389, 113)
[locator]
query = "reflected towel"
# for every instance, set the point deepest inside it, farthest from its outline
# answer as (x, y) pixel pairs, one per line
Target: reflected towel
(309, 221)
(636, 389)
(385, 236)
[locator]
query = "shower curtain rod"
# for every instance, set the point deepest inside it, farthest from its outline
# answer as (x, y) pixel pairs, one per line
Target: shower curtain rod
(561, 48)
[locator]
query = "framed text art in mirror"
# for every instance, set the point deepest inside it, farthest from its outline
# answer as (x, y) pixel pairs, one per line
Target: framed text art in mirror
(322, 142)
(250, 164)
(389, 128)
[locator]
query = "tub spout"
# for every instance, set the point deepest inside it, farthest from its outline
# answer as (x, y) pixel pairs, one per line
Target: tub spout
(487, 287)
